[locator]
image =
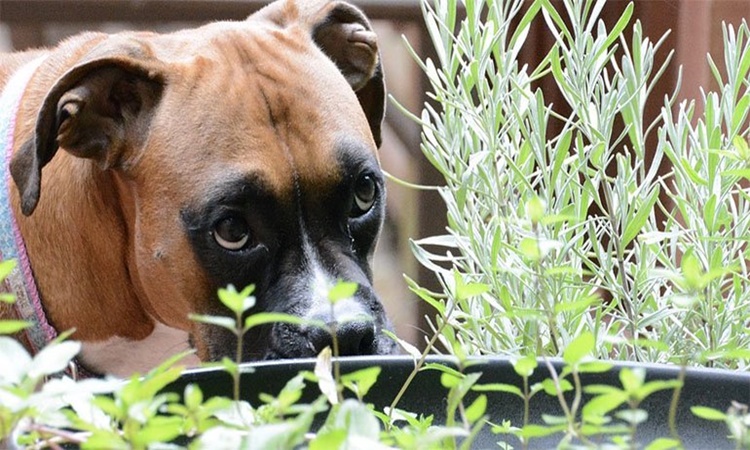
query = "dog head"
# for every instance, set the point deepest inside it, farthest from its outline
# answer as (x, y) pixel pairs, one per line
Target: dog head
(241, 153)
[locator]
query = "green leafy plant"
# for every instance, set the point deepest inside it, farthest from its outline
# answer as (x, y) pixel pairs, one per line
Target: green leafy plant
(239, 304)
(580, 231)
(570, 245)
(141, 413)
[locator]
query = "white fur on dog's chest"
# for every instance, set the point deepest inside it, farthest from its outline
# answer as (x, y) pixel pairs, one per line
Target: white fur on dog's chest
(123, 357)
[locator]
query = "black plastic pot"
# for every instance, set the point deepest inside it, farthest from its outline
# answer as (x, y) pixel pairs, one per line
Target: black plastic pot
(425, 395)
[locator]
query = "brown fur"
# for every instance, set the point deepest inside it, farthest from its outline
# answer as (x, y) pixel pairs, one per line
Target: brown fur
(105, 241)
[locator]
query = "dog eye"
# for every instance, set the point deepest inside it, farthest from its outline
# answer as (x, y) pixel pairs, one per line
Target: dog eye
(232, 233)
(365, 191)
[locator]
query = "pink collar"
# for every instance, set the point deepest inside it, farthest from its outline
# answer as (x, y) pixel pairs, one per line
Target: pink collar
(20, 282)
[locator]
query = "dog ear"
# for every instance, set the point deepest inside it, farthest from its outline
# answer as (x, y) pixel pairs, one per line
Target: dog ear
(346, 36)
(92, 111)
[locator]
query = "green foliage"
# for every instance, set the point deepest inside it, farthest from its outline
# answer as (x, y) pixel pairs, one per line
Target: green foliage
(569, 245)
(583, 248)
(139, 414)
(579, 230)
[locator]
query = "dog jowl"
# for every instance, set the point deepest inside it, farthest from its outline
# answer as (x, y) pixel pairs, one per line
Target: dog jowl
(152, 169)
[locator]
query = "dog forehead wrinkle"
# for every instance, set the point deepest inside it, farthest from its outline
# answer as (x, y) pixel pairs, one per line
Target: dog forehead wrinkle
(288, 58)
(281, 140)
(261, 46)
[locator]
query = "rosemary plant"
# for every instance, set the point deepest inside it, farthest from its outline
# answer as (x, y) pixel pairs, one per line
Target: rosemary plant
(579, 230)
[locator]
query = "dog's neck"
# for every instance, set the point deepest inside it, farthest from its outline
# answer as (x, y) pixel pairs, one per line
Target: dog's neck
(112, 354)
(20, 281)
(77, 228)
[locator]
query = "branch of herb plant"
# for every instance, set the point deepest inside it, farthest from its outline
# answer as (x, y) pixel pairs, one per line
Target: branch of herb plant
(569, 413)
(619, 257)
(336, 363)
(399, 181)
(238, 356)
(672, 419)
(578, 390)
(419, 363)
(240, 303)
(57, 436)
(546, 303)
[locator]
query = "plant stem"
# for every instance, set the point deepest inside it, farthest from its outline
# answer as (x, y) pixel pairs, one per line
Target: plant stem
(578, 390)
(404, 183)
(238, 357)
(336, 362)
(546, 303)
(526, 401)
(633, 427)
(419, 364)
(58, 436)
(560, 397)
(672, 421)
(709, 322)
(620, 260)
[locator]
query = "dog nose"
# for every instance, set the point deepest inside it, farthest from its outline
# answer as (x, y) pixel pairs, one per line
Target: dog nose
(354, 337)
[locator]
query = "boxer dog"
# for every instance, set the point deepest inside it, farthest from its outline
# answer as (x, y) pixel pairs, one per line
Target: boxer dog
(149, 170)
